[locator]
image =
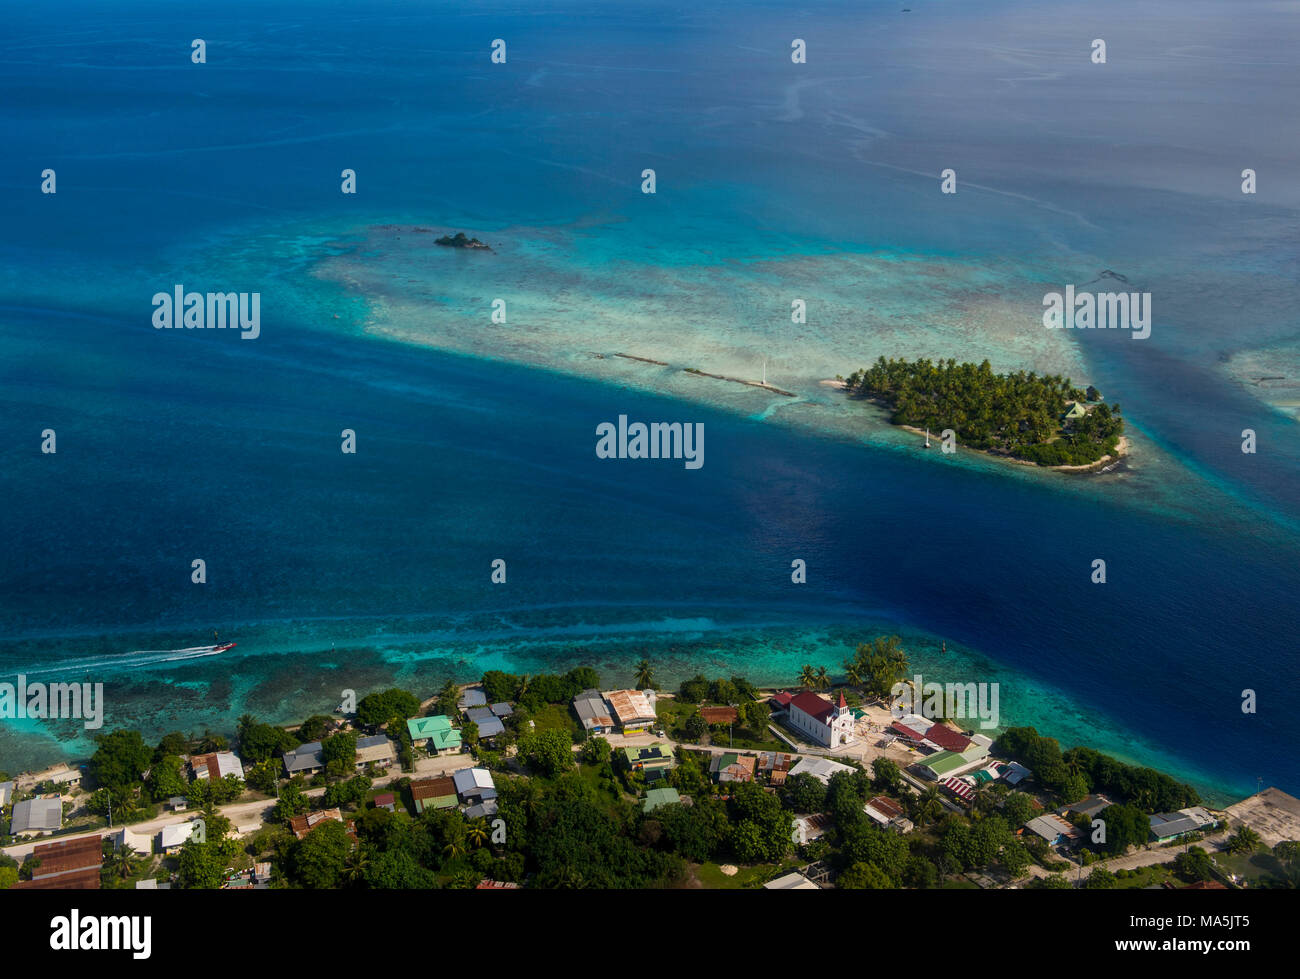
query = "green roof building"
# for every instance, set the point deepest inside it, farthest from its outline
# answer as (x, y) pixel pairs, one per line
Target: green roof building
(1075, 410)
(650, 757)
(660, 797)
(943, 763)
(436, 731)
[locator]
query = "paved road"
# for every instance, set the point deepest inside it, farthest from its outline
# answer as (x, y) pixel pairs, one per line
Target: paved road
(1146, 857)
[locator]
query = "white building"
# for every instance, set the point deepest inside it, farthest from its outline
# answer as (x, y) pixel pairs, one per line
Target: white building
(826, 723)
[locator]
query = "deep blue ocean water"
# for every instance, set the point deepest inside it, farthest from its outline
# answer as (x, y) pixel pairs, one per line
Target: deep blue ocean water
(337, 571)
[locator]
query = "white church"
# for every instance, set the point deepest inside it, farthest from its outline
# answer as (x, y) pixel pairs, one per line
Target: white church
(826, 723)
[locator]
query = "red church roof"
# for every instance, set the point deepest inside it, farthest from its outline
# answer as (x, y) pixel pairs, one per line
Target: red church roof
(813, 706)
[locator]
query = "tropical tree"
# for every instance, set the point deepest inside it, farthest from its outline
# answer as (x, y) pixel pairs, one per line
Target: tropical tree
(807, 677)
(823, 678)
(477, 832)
(645, 675)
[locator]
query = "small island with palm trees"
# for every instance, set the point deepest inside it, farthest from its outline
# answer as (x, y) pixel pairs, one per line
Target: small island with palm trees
(1040, 419)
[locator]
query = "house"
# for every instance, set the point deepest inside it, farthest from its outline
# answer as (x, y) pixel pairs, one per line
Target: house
(1053, 828)
(174, 835)
(593, 712)
(36, 817)
(434, 793)
(68, 857)
(474, 785)
(435, 733)
(1166, 826)
(633, 709)
(731, 766)
(791, 882)
(818, 719)
(1013, 773)
(6, 793)
(302, 825)
(67, 775)
(655, 798)
(1073, 410)
(809, 828)
(386, 800)
(502, 710)
(720, 715)
(481, 810)
(178, 803)
(473, 697)
(819, 768)
(651, 759)
(780, 701)
(377, 749)
(216, 764)
(888, 814)
(304, 760)
(775, 766)
(489, 725)
(1089, 806)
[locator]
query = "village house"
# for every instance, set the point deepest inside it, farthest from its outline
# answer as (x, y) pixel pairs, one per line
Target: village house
(593, 712)
(435, 733)
(634, 710)
(36, 817)
(434, 793)
(173, 836)
(474, 785)
(216, 764)
(819, 768)
(733, 766)
(1053, 829)
(775, 766)
(377, 749)
(304, 824)
(652, 760)
(888, 814)
(304, 760)
(489, 725)
(654, 798)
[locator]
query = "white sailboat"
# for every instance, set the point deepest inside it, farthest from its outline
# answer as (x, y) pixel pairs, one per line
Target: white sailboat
(927, 438)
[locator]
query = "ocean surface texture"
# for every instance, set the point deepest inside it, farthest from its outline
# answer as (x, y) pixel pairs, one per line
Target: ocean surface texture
(476, 438)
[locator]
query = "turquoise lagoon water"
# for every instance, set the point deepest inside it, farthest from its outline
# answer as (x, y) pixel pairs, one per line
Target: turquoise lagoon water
(337, 571)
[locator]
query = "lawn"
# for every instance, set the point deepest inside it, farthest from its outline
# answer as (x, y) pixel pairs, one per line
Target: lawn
(712, 877)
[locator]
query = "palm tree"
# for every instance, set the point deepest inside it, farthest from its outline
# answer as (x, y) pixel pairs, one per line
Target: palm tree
(453, 849)
(645, 675)
(354, 868)
(928, 806)
(852, 673)
(823, 678)
(120, 862)
(477, 832)
(807, 677)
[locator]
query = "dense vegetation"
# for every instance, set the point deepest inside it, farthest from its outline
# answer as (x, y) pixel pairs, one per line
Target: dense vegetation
(1073, 774)
(1013, 414)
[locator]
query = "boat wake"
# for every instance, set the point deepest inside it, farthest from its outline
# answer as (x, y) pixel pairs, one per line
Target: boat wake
(129, 662)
